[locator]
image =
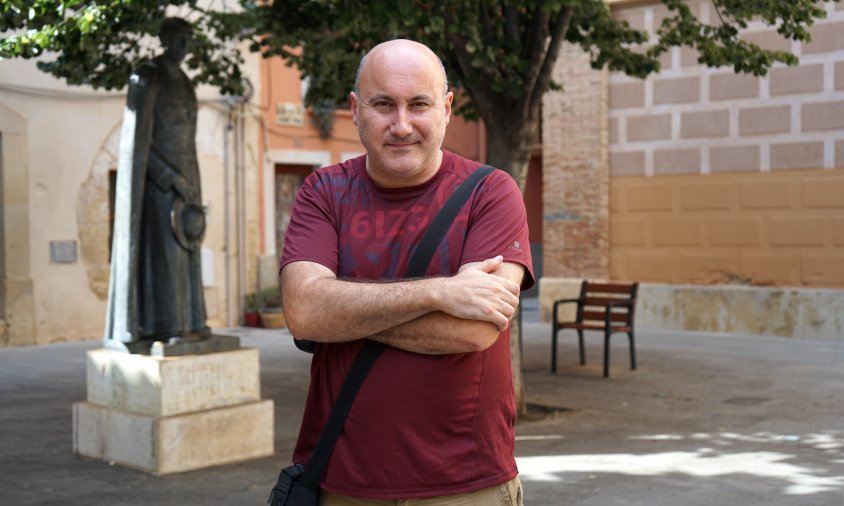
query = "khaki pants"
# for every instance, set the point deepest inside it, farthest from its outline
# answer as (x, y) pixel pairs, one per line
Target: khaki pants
(506, 494)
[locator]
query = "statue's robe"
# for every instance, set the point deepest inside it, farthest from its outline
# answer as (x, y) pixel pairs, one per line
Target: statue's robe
(155, 289)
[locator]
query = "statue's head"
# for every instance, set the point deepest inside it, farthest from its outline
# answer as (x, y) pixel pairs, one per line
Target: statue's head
(175, 35)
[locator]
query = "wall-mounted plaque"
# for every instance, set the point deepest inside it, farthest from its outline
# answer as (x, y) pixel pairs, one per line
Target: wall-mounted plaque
(289, 114)
(63, 252)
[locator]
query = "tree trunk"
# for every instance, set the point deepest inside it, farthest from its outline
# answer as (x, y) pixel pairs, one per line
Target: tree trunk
(512, 124)
(516, 364)
(510, 139)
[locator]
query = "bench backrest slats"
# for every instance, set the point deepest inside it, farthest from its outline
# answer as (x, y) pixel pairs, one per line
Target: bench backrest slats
(623, 288)
(591, 300)
(599, 316)
(595, 297)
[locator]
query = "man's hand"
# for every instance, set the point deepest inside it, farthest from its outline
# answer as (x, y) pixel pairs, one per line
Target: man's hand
(477, 293)
(439, 333)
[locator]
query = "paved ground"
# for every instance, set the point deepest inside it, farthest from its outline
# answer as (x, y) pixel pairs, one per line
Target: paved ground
(706, 420)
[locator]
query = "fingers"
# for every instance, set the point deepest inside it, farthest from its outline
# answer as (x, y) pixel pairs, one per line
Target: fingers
(477, 295)
(501, 320)
(491, 264)
(501, 315)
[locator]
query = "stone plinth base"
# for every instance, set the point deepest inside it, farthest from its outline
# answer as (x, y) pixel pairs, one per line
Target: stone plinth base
(173, 444)
(171, 414)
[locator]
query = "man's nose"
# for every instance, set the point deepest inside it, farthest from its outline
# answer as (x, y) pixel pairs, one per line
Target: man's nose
(401, 123)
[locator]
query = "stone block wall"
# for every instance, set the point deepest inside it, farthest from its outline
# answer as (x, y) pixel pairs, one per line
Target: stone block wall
(719, 177)
(691, 119)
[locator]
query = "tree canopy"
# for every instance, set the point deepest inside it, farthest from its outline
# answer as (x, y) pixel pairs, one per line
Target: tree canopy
(500, 53)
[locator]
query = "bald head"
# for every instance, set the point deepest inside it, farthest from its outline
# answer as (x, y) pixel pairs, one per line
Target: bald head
(401, 48)
(401, 106)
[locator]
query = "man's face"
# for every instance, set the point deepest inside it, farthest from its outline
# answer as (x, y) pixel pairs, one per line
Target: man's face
(177, 45)
(401, 113)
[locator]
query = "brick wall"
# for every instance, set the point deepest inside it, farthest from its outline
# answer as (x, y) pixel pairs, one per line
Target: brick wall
(725, 178)
(576, 170)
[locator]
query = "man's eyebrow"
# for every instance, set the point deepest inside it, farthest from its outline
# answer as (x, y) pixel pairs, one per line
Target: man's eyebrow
(380, 96)
(422, 97)
(384, 96)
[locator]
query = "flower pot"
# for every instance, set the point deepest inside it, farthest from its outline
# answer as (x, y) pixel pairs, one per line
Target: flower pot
(251, 319)
(273, 319)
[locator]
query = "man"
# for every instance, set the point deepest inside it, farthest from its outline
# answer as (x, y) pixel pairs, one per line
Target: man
(435, 418)
(156, 284)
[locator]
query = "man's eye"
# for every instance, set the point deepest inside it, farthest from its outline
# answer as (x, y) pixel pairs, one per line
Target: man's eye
(381, 104)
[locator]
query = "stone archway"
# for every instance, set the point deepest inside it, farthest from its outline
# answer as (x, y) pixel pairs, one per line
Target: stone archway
(93, 215)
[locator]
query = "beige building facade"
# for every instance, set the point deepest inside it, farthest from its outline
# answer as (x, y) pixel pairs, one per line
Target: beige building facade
(700, 178)
(58, 157)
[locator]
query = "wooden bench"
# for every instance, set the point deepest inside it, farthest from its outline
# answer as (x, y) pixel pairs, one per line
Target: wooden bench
(609, 307)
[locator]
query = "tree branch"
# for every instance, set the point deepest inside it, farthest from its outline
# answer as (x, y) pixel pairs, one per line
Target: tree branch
(535, 47)
(558, 33)
(511, 25)
(487, 18)
(473, 78)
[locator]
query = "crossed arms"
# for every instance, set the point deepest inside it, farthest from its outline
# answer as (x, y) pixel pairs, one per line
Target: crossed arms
(456, 314)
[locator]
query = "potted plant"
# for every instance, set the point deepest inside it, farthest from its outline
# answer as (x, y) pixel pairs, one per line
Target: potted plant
(272, 314)
(251, 317)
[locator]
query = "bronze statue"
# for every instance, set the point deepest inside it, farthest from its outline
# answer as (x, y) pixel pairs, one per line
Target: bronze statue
(155, 289)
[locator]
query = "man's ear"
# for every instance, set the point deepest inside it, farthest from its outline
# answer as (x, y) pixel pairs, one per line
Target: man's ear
(449, 98)
(353, 105)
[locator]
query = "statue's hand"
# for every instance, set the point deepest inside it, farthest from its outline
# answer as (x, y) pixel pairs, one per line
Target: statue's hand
(185, 189)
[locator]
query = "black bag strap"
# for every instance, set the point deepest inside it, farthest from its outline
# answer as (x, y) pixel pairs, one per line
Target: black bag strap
(433, 236)
(371, 350)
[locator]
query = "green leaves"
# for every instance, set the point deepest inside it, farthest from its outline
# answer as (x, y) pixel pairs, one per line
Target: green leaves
(100, 42)
(719, 43)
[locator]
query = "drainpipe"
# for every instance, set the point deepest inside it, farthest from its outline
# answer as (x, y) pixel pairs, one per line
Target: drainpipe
(226, 217)
(240, 174)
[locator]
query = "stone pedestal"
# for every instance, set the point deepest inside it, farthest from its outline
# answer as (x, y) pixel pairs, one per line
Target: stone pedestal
(172, 414)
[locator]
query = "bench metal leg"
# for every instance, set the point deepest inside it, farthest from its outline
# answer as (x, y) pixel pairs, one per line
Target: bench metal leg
(582, 348)
(632, 350)
(607, 335)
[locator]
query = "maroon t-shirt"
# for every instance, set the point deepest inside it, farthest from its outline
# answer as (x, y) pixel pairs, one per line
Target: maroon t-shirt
(421, 425)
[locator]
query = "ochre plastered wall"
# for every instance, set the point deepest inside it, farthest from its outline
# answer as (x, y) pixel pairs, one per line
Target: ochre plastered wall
(783, 228)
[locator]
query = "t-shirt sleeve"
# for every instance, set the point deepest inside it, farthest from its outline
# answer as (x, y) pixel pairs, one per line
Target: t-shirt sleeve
(312, 234)
(498, 225)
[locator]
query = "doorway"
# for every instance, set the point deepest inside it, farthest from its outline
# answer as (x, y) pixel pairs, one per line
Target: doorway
(288, 179)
